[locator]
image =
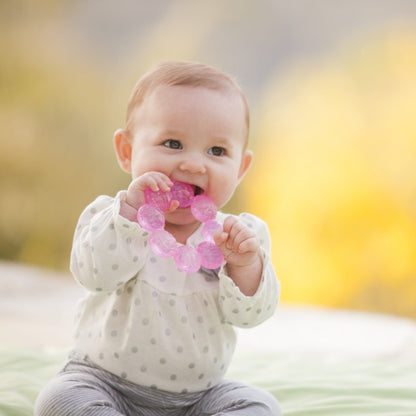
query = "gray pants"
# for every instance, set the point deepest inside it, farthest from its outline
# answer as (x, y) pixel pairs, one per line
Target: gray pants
(82, 388)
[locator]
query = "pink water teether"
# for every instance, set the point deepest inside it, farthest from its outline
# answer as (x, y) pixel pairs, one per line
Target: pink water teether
(188, 259)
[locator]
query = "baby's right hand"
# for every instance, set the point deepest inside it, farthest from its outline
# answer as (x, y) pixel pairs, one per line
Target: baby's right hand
(135, 193)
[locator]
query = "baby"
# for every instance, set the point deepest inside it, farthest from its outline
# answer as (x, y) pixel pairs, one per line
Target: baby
(151, 339)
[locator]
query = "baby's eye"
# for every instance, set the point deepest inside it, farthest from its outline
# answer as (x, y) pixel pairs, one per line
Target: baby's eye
(173, 144)
(217, 151)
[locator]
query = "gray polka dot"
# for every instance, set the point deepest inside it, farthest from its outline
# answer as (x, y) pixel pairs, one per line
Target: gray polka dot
(98, 289)
(155, 294)
(184, 391)
(162, 361)
(259, 311)
(162, 278)
(172, 302)
(95, 270)
(200, 319)
(191, 366)
(112, 246)
(116, 355)
(111, 226)
(128, 240)
(119, 291)
(153, 387)
(93, 211)
(153, 341)
(211, 331)
(201, 376)
(123, 375)
(114, 312)
(143, 368)
(137, 301)
(135, 258)
(134, 350)
(184, 319)
(168, 332)
(153, 260)
(179, 349)
(236, 310)
(173, 377)
(145, 321)
(205, 350)
(114, 333)
(126, 225)
(115, 267)
(80, 264)
(101, 356)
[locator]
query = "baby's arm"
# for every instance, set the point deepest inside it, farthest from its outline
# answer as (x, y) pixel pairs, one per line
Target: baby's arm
(107, 248)
(134, 198)
(242, 274)
(241, 250)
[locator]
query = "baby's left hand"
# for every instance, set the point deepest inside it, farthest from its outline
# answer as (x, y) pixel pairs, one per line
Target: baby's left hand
(238, 244)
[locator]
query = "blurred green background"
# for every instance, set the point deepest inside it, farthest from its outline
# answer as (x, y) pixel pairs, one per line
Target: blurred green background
(332, 88)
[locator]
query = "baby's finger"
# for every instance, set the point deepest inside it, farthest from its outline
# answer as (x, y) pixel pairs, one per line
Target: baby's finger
(250, 244)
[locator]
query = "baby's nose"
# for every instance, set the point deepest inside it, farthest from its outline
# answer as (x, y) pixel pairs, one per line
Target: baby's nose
(193, 164)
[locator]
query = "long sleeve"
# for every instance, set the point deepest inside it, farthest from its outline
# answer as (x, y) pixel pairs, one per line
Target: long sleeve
(107, 249)
(248, 311)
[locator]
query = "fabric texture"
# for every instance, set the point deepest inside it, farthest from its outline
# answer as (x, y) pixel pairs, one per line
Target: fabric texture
(82, 388)
(148, 322)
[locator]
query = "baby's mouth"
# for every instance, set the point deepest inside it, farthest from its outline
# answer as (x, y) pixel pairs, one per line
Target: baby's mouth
(197, 190)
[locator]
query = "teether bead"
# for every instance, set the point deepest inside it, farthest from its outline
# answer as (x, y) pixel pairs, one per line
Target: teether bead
(187, 259)
(209, 229)
(211, 256)
(150, 217)
(163, 243)
(159, 198)
(203, 208)
(182, 192)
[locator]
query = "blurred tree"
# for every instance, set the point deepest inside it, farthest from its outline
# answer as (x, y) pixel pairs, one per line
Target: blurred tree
(336, 177)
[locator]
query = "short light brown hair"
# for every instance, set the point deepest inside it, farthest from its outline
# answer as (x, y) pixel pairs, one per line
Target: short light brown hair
(182, 73)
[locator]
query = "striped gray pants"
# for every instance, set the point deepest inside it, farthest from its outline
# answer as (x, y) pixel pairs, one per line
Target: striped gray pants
(82, 388)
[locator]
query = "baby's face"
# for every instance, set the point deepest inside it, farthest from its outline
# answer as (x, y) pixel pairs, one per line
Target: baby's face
(193, 135)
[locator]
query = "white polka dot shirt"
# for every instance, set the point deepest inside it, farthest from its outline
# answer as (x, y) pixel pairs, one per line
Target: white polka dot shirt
(148, 322)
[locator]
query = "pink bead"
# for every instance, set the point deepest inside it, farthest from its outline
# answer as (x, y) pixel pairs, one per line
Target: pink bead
(182, 192)
(150, 217)
(163, 243)
(211, 256)
(209, 229)
(203, 208)
(159, 198)
(187, 259)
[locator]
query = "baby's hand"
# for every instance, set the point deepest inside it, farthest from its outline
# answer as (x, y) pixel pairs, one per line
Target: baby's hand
(237, 242)
(156, 181)
(241, 249)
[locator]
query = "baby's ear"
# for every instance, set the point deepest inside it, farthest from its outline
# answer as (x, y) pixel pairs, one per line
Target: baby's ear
(245, 163)
(123, 149)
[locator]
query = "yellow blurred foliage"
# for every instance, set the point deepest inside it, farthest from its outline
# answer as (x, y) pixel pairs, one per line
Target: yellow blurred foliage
(335, 177)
